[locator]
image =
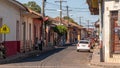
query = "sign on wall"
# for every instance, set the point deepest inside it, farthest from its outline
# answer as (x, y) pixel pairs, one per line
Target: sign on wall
(5, 29)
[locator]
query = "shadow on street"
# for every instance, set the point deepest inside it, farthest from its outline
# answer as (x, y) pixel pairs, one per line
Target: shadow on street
(41, 56)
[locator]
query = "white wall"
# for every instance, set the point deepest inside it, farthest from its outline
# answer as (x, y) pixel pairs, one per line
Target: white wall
(10, 15)
(109, 6)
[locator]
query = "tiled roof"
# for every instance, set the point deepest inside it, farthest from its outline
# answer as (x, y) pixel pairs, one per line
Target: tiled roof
(24, 7)
(31, 11)
(65, 22)
(17, 4)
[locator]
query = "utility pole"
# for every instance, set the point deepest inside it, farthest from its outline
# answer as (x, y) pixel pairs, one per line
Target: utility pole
(88, 26)
(80, 24)
(68, 13)
(43, 15)
(80, 20)
(88, 23)
(43, 8)
(60, 1)
(100, 32)
(68, 33)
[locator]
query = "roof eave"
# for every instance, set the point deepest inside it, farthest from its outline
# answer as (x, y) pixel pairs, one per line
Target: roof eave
(93, 10)
(18, 4)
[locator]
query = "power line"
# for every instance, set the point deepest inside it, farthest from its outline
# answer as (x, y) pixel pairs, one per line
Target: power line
(52, 3)
(51, 9)
(60, 1)
(65, 6)
(78, 8)
(65, 10)
(82, 11)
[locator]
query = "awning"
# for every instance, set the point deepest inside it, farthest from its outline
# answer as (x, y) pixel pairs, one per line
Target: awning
(93, 6)
(94, 3)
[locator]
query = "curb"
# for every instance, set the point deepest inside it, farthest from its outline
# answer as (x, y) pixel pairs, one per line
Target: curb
(22, 56)
(17, 57)
(95, 62)
(106, 65)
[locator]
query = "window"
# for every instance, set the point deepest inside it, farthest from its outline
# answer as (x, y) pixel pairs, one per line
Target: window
(24, 34)
(0, 26)
(17, 30)
(24, 31)
(115, 32)
(29, 31)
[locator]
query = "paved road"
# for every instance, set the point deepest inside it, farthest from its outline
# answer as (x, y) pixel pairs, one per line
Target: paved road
(62, 57)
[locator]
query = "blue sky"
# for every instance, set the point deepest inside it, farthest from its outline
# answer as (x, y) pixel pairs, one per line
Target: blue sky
(79, 9)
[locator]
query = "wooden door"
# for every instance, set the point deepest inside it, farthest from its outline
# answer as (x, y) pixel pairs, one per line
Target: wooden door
(115, 30)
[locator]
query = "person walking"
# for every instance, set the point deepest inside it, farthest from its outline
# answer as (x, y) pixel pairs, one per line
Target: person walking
(36, 43)
(40, 44)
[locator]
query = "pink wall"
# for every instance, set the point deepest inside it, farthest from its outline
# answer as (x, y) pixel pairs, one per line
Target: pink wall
(37, 28)
(12, 47)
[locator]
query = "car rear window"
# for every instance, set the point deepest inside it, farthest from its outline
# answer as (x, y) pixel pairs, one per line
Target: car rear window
(83, 42)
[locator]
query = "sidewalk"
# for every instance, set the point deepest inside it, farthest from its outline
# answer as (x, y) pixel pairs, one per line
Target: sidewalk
(95, 60)
(20, 56)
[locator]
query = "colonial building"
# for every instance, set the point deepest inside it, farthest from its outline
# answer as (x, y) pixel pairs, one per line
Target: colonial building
(73, 32)
(111, 28)
(31, 29)
(10, 14)
(21, 22)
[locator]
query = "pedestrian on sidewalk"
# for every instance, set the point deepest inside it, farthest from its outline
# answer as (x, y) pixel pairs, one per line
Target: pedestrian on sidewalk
(40, 44)
(36, 43)
(2, 50)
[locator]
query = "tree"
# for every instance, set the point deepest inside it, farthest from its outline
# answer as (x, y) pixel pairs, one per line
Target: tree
(70, 19)
(60, 30)
(33, 6)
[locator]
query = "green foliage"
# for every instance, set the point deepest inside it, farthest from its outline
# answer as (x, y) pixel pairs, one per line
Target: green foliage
(33, 6)
(70, 19)
(66, 17)
(60, 29)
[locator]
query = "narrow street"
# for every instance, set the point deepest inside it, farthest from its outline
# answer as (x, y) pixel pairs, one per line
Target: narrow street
(62, 57)
(32, 33)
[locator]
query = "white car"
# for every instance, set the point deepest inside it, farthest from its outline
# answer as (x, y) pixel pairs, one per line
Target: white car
(83, 45)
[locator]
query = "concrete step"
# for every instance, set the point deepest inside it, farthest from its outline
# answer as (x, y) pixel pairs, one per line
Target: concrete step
(114, 60)
(116, 56)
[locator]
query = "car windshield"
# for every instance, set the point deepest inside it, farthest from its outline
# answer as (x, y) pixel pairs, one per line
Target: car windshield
(84, 42)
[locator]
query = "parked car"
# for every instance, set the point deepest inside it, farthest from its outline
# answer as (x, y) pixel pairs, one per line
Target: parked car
(83, 45)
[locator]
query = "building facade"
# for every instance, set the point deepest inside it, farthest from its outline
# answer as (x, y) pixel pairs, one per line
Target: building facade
(20, 21)
(11, 16)
(110, 29)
